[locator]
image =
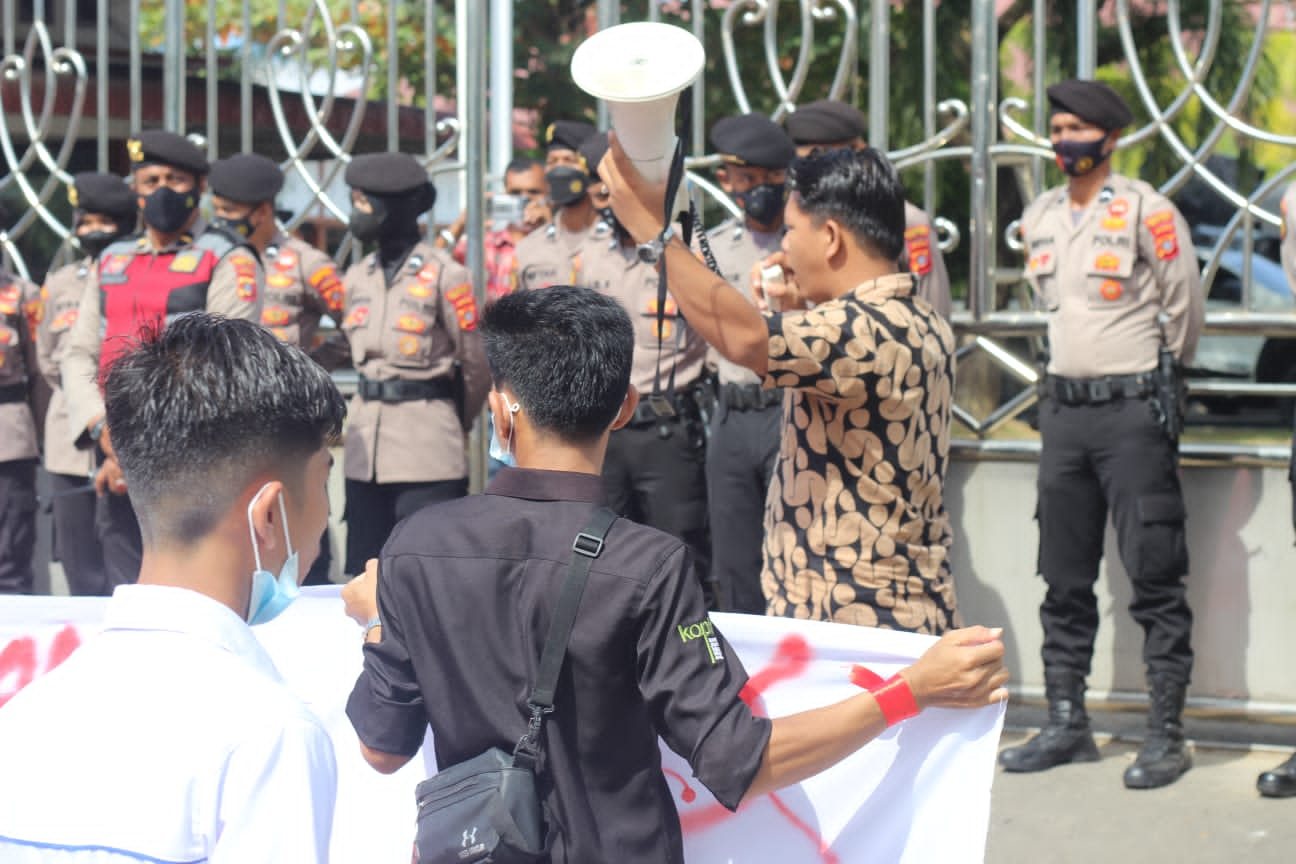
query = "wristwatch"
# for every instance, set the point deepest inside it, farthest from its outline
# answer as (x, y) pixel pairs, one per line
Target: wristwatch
(651, 252)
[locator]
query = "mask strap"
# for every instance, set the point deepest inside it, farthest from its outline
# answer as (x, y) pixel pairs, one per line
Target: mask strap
(513, 409)
(283, 512)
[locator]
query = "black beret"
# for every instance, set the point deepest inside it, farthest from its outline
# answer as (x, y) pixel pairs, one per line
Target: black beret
(104, 194)
(386, 174)
(1092, 101)
(592, 150)
(567, 135)
(159, 147)
(248, 178)
(753, 139)
(825, 121)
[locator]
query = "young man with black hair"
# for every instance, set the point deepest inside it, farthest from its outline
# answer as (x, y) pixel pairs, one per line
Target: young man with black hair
(459, 606)
(170, 736)
(855, 527)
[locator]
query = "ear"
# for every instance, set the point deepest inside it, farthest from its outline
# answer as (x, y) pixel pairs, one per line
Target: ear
(626, 414)
(1112, 137)
(499, 408)
(722, 177)
(266, 516)
(834, 239)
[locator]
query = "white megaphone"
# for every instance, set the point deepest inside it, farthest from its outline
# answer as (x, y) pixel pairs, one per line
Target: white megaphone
(639, 70)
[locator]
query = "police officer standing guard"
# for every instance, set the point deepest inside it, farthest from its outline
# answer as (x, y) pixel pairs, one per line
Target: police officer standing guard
(828, 124)
(550, 255)
(1114, 268)
(1281, 781)
(302, 283)
(654, 471)
(411, 319)
(22, 406)
(104, 211)
(176, 265)
(748, 422)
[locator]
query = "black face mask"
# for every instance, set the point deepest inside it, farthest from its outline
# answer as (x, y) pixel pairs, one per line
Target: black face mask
(241, 228)
(763, 203)
(1077, 158)
(567, 185)
(167, 210)
(93, 243)
(366, 227)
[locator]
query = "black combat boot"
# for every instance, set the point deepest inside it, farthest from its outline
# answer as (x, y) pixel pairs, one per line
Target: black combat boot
(1164, 756)
(1066, 737)
(1280, 782)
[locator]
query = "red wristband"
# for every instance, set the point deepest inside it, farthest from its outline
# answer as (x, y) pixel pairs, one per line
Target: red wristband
(896, 700)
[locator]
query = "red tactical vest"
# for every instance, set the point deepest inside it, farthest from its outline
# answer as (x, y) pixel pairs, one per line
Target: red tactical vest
(139, 289)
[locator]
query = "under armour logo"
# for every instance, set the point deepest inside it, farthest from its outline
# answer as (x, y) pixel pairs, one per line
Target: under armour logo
(470, 837)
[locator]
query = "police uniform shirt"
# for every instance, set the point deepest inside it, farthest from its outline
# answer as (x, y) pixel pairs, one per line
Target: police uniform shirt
(855, 524)
(234, 290)
(1288, 250)
(737, 249)
(923, 258)
(1104, 279)
(415, 330)
(466, 593)
(302, 285)
(615, 270)
(551, 255)
(21, 310)
(62, 294)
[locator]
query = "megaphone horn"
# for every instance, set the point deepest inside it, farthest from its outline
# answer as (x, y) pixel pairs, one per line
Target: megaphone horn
(639, 70)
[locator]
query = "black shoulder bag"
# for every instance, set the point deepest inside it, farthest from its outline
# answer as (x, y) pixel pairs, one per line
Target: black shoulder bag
(488, 808)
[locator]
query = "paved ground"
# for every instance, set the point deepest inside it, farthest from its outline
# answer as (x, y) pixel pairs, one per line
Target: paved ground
(1079, 814)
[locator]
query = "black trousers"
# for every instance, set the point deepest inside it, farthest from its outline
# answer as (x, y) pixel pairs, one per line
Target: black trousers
(1095, 458)
(654, 474)
(76, 544)
(119, 538)
(17, 525)
(373, 509)
(740, 462)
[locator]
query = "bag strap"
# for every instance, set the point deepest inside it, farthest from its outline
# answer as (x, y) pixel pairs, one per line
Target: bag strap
(587, 546)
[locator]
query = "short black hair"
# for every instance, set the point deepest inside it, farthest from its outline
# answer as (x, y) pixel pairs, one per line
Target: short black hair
(201, 407)
(565, 353)
(857, 188)
(522, 164)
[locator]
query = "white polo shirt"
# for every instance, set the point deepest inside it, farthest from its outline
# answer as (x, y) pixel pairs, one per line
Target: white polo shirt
(168, 737)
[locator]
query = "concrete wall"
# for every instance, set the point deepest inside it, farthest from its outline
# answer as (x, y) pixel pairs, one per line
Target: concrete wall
(1242, 582)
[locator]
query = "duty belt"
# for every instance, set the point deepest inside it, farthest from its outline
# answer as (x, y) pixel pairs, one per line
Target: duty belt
(400, 390)
(749, 397)
(1096, 391)
(13, 393)
(664, 409)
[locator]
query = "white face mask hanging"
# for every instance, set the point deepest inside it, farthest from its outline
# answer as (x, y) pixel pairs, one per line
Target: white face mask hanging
(271, 595)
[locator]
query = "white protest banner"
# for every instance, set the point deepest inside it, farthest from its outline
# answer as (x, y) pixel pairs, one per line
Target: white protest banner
(919, 793)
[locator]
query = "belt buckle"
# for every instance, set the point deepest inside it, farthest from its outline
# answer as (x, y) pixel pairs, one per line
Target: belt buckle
(660, 406)
(1100, 390)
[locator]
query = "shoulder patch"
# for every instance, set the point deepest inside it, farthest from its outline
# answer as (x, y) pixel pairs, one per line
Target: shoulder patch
(1164, 238)
(245, 281)
(465, 305)
(326, 283)
(918, 241)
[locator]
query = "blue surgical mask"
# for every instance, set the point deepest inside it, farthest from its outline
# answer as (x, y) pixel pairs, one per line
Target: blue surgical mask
(503, 452)
(271, 595)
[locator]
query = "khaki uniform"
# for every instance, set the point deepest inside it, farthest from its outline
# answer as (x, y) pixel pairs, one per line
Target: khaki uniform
(231, 292)
(1104, 279)
(22, 405)
(62, 293)
(744, 440)
(856, 529)
(1105, 276)
(415, 330)
(552, 255)
(1288, 252)
(923, 258)
(21, 311)
(302, 286)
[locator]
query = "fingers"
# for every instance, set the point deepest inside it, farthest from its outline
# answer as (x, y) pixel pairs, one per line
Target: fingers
(371, 568)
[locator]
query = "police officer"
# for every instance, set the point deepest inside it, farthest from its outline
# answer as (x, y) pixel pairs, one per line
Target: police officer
(654, 469)
(104, 211)
(1281, 781)
(748, 420)
(550, 255)
(302, 283)
(828, 124)
(176, 265)
(1113, 267)
(411, 319)
(23, 398)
